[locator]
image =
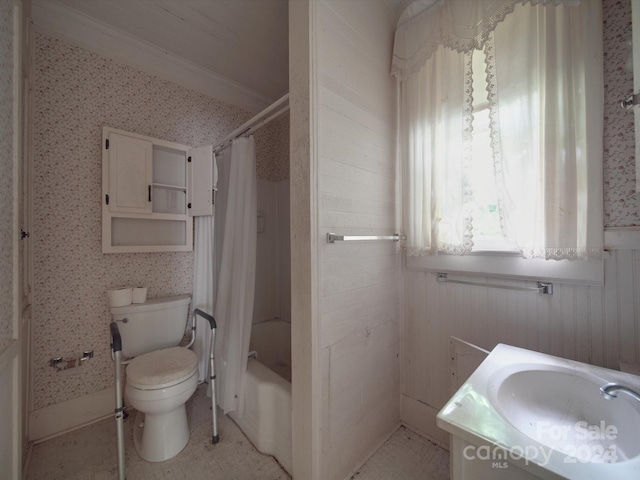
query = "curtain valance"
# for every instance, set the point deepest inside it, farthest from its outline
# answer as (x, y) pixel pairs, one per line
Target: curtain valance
(461, 25)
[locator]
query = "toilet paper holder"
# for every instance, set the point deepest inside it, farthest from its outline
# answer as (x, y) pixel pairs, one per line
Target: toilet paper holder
(60, 363)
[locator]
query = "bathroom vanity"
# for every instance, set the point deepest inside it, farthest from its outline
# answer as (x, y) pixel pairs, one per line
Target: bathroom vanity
(526, 415)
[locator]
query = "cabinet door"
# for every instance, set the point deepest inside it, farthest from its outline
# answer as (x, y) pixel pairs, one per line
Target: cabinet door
(169, 190)
(200, 181)
(130, 174)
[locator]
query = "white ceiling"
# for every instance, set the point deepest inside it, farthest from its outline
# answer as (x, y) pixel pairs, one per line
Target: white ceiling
(235, 50)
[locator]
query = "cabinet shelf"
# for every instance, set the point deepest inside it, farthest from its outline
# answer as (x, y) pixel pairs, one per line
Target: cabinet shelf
(155, 216)
(170, 187)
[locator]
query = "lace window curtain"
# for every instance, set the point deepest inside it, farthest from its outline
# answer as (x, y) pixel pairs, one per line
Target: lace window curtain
(544, 75)
(436, 125)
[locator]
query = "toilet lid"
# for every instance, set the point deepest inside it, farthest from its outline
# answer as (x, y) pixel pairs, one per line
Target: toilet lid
(161, 368)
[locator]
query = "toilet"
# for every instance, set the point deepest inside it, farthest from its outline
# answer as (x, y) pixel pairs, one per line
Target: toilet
(161, 376)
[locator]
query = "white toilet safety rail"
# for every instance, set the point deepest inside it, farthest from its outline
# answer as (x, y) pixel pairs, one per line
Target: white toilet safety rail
(212, 371)
(116, 354)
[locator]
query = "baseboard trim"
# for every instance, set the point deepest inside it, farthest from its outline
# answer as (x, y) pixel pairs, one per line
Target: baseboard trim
(421, 418)
(64, 417)
(27, 461)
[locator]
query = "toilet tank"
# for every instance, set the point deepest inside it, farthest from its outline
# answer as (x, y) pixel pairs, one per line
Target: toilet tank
(158, 323)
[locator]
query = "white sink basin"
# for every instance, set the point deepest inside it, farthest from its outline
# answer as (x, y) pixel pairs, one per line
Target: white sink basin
(563, 409)
(526, 415)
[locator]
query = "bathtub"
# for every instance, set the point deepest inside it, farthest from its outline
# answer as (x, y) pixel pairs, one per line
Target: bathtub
(266, 419)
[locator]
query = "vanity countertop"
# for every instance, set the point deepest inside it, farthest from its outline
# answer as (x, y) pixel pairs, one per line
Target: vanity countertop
(480, 416)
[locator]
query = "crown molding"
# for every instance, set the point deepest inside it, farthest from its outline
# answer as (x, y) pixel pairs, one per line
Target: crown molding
(55, 20)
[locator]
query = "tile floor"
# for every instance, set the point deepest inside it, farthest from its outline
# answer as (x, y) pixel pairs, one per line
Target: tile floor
(406, 456)
(90, 453)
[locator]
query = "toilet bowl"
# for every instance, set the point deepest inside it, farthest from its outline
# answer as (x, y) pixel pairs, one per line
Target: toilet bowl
(160, 377)
(157, 385)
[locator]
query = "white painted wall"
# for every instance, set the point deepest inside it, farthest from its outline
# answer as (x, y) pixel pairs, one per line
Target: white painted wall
(346, 297)
(273, 264)
(267, 277)
(305, 374)
(597, 325)
(359, 284)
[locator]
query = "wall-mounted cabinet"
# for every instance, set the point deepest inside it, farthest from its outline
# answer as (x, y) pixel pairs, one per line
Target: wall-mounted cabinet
(148, 193)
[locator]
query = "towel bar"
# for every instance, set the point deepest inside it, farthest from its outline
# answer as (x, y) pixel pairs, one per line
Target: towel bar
(334, 237)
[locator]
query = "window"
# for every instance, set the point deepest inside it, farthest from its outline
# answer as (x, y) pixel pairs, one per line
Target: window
(501, 132)
(488, 234)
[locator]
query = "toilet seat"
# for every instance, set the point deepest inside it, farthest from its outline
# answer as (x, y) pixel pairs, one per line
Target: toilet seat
(161, 368)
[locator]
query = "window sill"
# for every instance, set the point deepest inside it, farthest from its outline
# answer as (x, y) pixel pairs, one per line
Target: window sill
(507, 265)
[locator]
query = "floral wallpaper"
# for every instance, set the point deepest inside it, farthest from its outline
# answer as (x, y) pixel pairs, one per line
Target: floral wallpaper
(6, 173)
(77, 93)
(621, 203)
(272, 149)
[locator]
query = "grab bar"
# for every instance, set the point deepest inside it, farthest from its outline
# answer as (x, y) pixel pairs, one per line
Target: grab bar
(334, 237)
(206, 316)
(116, 339)
(543, 288)
(119, 413)
(215, 438)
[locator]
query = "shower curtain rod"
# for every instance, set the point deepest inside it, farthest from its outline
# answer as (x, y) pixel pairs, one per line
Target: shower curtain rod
(256, 122)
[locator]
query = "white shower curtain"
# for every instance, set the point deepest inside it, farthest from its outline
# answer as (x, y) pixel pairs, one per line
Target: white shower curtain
(236, 228)
(204, 287)
(205, 275)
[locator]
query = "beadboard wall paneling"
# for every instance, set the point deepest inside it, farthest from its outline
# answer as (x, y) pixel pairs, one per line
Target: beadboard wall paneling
(359, 299)
(273, 265)
(266, 303)
(76, 93)
(597, 325)
(273, 260)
